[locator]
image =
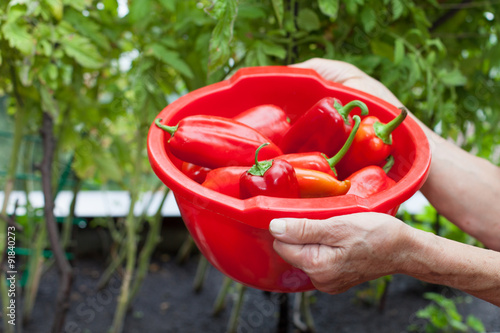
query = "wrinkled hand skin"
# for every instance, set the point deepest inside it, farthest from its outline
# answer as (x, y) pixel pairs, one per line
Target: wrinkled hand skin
(341, 252)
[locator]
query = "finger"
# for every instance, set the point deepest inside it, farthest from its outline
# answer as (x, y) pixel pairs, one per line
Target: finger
(333, 70)
(304, 256)
(305, 231)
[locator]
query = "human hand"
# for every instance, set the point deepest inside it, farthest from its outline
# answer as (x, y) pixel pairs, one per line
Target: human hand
(343, 251)
(350, 76)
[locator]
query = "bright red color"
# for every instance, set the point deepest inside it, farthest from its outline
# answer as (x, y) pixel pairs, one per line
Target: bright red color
(268, 119)
(372, 144)
(319, 161)
(195, 172)
(273, 178)
(225, 180)
(323, 128)
(368, 181)
(215, 142)
(233, 234)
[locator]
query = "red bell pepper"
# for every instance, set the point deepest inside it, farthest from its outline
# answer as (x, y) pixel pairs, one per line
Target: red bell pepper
(214, 142)
(372, 144)
(317, 184)
(195, 172)
(225, 180)
(323, 128)
(274, 178)
(371, 179)
(319, 161)
(268, 119)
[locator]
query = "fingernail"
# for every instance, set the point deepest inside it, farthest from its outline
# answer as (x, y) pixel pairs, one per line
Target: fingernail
(277, 226)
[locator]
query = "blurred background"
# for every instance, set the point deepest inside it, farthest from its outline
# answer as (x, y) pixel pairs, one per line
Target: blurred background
(81, 82)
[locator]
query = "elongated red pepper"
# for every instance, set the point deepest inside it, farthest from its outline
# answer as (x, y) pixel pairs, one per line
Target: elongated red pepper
(195, 172)
(372, 144)
(319, 161)
(371, 179)
(317, 184)
(225, 180)
(312, 183)
(214, 142)
(323, 128)
(268, 119)
(274, 178)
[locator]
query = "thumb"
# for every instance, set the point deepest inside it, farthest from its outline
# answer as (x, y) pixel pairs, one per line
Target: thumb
(300, 231)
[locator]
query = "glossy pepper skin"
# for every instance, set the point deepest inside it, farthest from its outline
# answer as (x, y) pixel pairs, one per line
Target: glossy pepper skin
(317, 184)
(312, 183)
(215, 142)
(195, 172)
(225, 180)
(273, 178)
(370, 180)
(319, 161)
(268, 119)
(372, 144)
(323, 128)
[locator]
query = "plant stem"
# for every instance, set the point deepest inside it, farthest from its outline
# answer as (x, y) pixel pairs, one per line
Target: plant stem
(185, 249)
(68, 222)
(9, 187)
(200, 273)
(115, 263)
(131, 240)
(63, 265)
(35, 268)
(152, 240)
(235, 313)
(220, 301)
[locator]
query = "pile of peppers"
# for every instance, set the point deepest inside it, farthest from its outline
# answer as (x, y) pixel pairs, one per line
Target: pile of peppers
(325, 152)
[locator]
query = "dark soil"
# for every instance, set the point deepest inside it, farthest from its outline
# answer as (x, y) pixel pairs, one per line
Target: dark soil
(167, 302)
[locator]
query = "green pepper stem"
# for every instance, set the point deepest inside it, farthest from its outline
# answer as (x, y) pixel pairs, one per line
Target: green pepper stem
(384, 131)
(389, 164)
(170, 129)
(346, 109)
(259, 168)
(332, 161)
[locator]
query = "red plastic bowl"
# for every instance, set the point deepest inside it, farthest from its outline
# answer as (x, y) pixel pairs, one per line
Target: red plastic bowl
(233, 234)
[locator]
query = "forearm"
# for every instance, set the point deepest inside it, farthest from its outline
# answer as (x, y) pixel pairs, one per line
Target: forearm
(465, 189)
(442, 261)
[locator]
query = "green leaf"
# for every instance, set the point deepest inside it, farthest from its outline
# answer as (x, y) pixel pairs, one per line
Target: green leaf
(308, 20)
(171, 58)
(278, 10)
(399, 51)
(168, 5)
(274, 50)
(368, 18)
(49, 104)
(88, 28)
(329, 7)
(79, 5)
(17, 33)
(452, 78)
(56, 8)
(225, 11)
(397, 9)
(82, 50)
(139, 10)
(382, 49)
(475, 323)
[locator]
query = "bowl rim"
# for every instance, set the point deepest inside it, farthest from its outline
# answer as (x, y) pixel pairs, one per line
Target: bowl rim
(180, 184)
